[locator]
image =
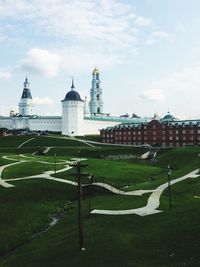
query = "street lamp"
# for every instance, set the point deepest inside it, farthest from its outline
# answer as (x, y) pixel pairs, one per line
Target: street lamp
(169, 172)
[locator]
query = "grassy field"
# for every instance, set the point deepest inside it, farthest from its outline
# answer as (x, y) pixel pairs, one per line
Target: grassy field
(170, 238)
(121, 241)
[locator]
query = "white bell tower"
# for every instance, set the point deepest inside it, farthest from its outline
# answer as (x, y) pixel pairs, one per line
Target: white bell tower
(26, 102)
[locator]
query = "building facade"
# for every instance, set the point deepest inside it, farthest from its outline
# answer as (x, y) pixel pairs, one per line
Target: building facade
(78, 117)
(166, 132)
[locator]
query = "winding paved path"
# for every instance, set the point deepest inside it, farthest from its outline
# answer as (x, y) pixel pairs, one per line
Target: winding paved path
(152, 204)
(153, 201)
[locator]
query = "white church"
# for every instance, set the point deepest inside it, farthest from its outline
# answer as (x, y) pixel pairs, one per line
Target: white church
(78, 117)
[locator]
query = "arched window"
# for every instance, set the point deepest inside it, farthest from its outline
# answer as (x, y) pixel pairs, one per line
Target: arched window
(98, 110)
(97, 96)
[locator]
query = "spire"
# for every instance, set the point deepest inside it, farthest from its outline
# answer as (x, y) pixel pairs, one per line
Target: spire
(72, 86)
(26, 83)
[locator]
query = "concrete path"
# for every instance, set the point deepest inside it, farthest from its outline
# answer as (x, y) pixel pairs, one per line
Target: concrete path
(26, 142)
(153, 201)
(117, 191)
(3, 182)
(152, 204)
(46, 150)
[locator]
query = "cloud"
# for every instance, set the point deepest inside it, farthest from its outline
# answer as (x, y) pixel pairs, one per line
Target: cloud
(5, 75)
(158, 35)
(143, 22)
(179, 90)
(42, 101)
(42, 62)
(153, 95)
(108, 29)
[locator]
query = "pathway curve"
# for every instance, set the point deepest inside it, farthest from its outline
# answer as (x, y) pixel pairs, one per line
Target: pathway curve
(153, 201)
(152, 204)
(26, 142)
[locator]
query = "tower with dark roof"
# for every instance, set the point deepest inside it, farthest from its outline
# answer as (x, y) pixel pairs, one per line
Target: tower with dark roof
(96, 101)
(72, 113)
(26, 102)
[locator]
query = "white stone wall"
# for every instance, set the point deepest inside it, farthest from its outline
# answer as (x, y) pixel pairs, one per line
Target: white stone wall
(6, 122)
(53, 124)
(94, 126)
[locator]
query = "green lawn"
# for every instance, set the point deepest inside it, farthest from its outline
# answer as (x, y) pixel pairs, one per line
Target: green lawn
(26, 209)
(27, 169)
(166, 239)
(119, 173)
(12, 141)
(46, 141)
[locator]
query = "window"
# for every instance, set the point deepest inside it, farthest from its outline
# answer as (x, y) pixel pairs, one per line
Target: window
(171, 138)
(163, 132)
(183, 132)
(139, 133)
(191, 138)
(154, 133)
(163, 138)
(154, 126)
(177, 138)
(176, 131)
(191, 131)
(97, 96)
(170, 132)
(183, 138)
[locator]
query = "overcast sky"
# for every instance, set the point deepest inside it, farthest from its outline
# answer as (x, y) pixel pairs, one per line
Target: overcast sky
(148, 53)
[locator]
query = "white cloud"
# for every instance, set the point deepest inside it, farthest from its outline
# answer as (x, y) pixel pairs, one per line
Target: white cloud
(42, 101)
(42, 62)
(153, 95)
(181, 91)
(5, 75)
(102, 28)
(158, 35)
(143, 22)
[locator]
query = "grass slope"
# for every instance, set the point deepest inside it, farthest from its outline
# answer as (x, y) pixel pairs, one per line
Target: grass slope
(123, 240)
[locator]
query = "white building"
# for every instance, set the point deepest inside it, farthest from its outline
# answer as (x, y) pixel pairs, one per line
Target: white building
(77, 117)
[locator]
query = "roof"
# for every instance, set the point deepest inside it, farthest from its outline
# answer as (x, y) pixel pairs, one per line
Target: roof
(72, 96)
(26, 93)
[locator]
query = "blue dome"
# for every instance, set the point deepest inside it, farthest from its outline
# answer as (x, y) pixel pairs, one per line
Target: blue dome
(72, 96)
(168, 117)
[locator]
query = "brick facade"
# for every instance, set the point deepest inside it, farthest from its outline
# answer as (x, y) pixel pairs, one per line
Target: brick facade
(165, 134)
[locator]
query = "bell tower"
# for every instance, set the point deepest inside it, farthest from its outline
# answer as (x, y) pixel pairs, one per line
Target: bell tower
(96, 102)
(25, 104)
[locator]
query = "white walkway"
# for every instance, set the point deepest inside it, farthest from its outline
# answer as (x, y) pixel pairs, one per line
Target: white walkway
(152, 204)
(153, 201)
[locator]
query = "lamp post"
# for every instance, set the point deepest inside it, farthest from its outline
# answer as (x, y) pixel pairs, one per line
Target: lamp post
(169, 185)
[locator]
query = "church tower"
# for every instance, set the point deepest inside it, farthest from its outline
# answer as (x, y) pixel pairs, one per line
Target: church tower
(25, 104)
(96, 102)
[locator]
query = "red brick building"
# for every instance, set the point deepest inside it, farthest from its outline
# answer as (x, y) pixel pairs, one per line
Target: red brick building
(164, 132)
